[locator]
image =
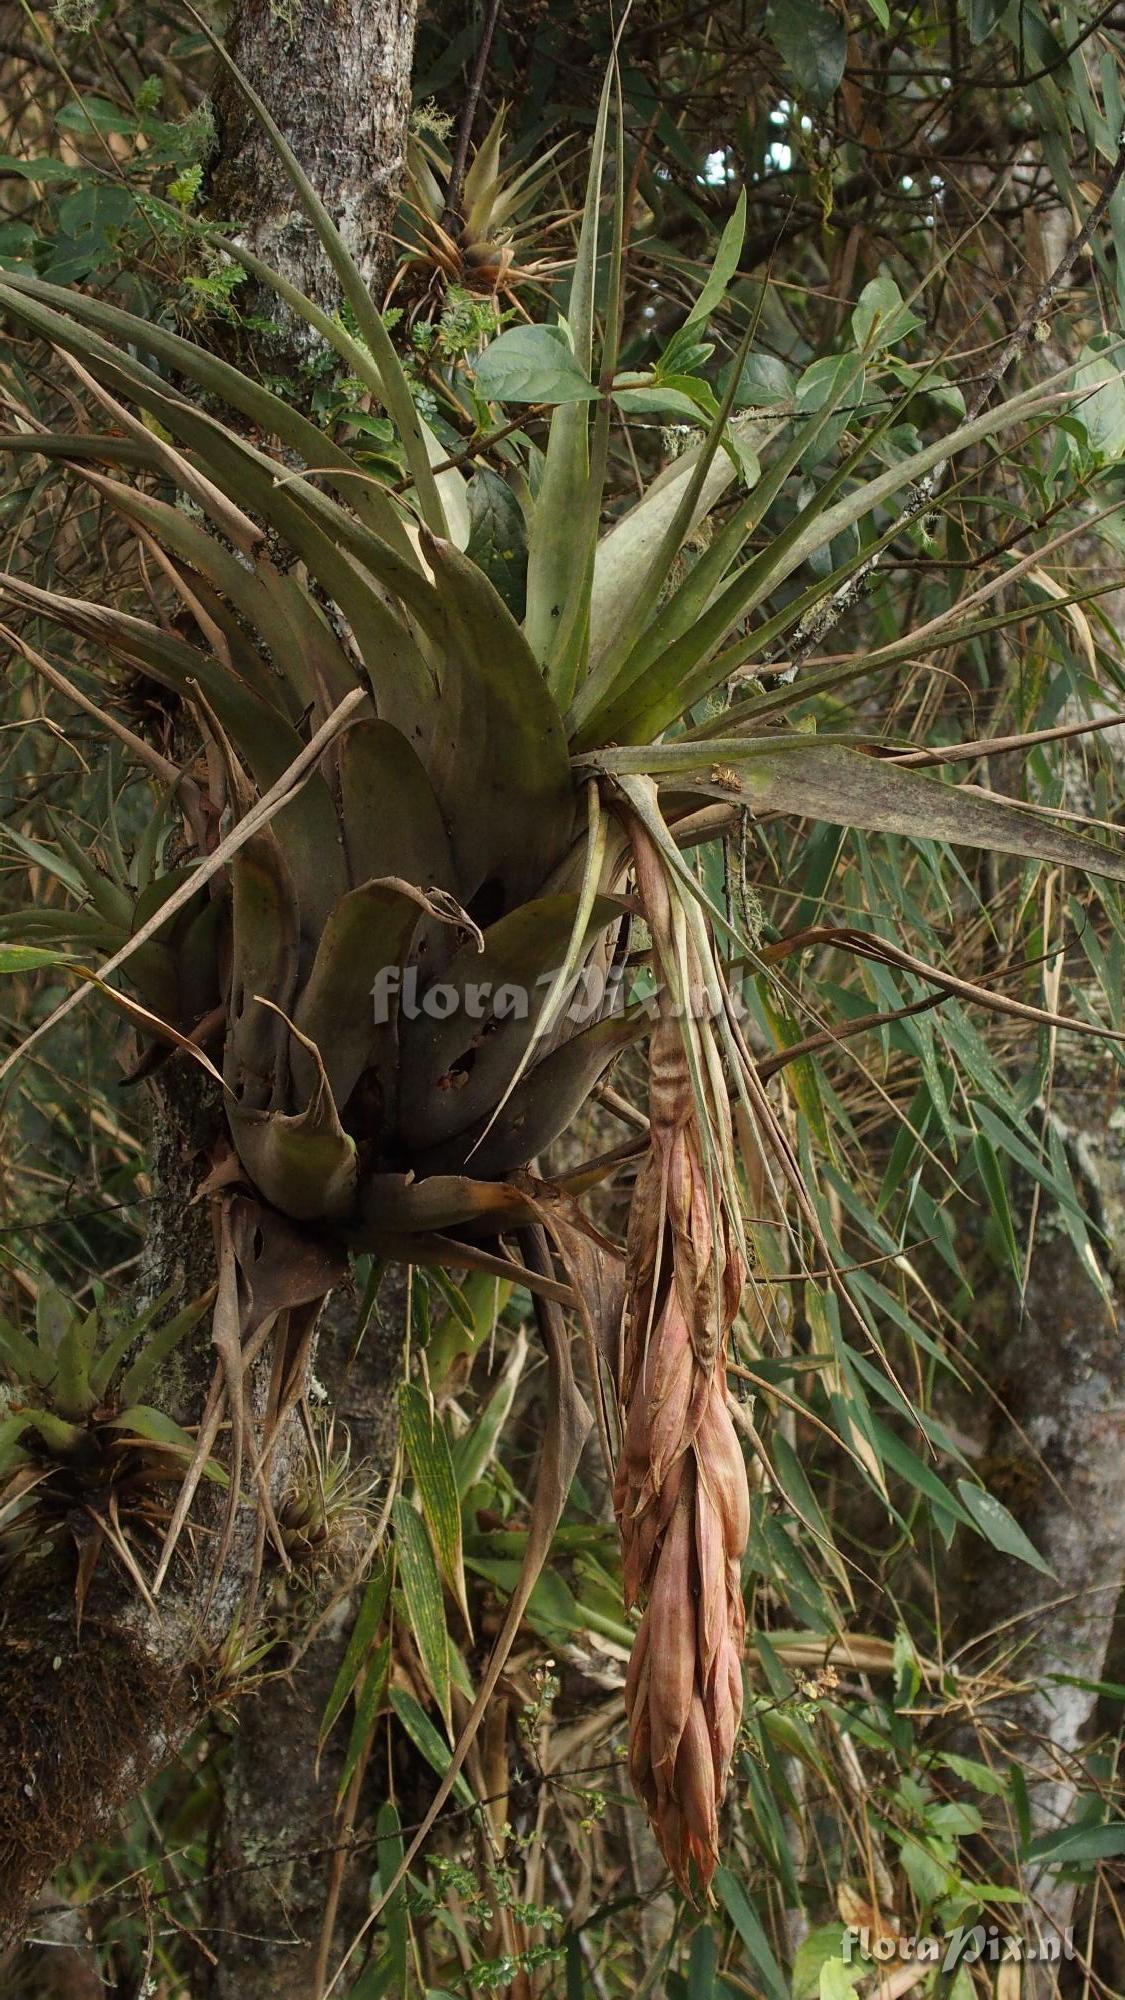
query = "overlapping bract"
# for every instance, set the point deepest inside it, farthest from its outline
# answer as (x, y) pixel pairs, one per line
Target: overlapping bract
(681, 1492)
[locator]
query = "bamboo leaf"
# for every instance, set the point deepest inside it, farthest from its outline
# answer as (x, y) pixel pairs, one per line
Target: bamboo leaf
(425, 1737)
(992, 1520)
(368, 1619)
(16, 958)
(471, 1452)
(427, 1449)
(421, 1590)
(748, 1924)
(368, 1703)
(648, 694)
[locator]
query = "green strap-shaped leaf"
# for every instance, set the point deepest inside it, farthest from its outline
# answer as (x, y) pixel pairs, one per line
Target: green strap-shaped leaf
(226, 386)
(391, 819)
(266, 946)
(25, 1361)
(159, 1345)
(500, 771)
(71, 1391)
(344, 1009)
(627, 551)
(555, 554)
(458, 1058)
(826, 781)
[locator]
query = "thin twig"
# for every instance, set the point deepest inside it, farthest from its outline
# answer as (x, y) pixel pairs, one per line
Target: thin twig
(468, 114)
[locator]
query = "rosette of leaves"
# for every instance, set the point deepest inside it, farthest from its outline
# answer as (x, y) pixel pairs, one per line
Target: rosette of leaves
(81, 1449)
(472, 234)
(465, 832)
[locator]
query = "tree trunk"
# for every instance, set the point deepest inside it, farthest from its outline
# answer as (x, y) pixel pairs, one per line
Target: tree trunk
(336, 76)
(285, 1850)
(88, 1717)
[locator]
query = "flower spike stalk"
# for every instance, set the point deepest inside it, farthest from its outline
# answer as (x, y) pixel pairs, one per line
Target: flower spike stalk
(681, 1493)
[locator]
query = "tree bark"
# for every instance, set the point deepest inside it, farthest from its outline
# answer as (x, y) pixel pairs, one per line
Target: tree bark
(285, 1851)
(336, 76)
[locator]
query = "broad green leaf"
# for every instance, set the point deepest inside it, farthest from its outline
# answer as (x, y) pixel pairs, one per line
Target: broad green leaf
(39, 171)
(837, 1981)
(812, 40)
(1098, 383)
(879, 317)
(811, 1955)
(498, 537)
(532, 364)
(971, 1772)
(724, 267)
(992, 1519)
(1073, 1845)
(425, 1610)
(427, 1449)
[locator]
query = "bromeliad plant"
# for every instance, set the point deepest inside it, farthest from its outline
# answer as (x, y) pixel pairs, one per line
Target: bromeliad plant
(407, 794)
(81, 1450)
(472, 234)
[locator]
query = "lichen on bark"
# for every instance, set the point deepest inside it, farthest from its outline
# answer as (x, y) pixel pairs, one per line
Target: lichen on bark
(336, 76)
